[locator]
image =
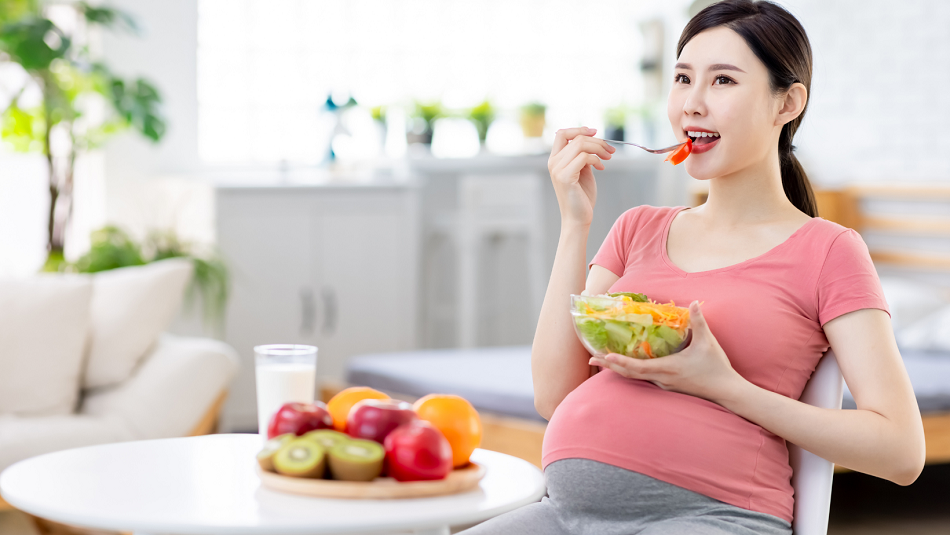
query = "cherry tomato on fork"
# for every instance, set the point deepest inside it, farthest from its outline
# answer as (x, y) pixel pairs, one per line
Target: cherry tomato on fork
(680, 154)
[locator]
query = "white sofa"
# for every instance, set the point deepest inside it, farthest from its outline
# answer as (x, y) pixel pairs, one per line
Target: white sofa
(168, 395)
(84, 360)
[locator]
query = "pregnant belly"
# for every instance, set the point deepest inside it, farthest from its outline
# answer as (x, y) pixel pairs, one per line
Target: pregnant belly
(677, 438)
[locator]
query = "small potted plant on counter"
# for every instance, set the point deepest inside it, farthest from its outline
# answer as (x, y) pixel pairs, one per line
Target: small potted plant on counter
(422, 120)
(482, 115)
(615, 119)
(532, 119)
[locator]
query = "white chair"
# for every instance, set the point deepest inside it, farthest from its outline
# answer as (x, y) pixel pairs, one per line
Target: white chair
(496, 205)
(812, 475)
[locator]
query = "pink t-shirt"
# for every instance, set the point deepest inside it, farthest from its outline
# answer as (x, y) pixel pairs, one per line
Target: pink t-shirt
(766, 313)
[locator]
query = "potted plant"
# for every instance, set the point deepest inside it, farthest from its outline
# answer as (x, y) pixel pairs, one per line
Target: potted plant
(113, 248)
(615, 119)
(482, 115)
(379, 114)
(60, 66)
(532, 119)
(422, 120)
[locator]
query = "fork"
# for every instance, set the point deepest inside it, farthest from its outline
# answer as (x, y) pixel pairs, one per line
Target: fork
(654, 151)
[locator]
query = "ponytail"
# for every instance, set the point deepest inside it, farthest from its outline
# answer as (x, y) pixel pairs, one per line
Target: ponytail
(794, 180)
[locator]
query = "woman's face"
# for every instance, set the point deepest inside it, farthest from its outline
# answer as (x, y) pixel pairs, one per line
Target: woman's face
(720, 87)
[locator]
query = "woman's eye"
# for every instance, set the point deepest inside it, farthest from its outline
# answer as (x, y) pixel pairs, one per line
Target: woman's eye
(722, 80)
(681, 78)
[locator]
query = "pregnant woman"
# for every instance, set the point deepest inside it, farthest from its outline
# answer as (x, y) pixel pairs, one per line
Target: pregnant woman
(696, 442)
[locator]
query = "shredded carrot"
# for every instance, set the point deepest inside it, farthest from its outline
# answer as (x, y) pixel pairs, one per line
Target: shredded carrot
(646, 349)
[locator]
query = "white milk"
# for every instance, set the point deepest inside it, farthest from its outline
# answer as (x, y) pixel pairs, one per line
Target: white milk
(280, 383)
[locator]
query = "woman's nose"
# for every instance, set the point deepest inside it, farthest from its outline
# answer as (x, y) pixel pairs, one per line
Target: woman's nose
(695, 103)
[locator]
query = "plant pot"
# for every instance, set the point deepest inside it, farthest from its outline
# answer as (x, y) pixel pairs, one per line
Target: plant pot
(615, 133)
(532, 125)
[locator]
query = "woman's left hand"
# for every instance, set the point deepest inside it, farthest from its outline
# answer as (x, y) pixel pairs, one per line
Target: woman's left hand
(702, 369)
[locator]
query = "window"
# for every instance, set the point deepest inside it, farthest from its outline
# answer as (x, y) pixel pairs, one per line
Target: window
(265, 67)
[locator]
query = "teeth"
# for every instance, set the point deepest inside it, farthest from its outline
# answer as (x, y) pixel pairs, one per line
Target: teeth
(702, 134)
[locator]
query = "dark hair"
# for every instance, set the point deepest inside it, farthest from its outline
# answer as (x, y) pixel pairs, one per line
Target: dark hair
(779, 41)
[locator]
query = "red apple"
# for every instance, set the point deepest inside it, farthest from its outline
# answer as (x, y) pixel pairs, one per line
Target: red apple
(373, 419)
(417, 451)
(299, 418)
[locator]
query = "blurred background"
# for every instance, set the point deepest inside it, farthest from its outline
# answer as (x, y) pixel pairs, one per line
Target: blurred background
(370, 175)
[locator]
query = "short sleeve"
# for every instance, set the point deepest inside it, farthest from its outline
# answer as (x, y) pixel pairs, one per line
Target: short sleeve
(612, 254)
(848, 280)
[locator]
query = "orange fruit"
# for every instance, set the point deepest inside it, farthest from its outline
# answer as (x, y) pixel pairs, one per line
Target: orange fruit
(455, 417)
(340, 404)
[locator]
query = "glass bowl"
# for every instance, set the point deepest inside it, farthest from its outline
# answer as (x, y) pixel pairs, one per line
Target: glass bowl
(614, 325)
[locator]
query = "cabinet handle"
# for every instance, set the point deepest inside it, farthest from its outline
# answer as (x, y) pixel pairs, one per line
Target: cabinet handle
(308, 311)
(329, 310)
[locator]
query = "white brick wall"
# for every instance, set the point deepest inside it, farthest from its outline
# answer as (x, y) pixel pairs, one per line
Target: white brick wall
(880, 99)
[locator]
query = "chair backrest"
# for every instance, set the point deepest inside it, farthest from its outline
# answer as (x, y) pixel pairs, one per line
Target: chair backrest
(811, 475)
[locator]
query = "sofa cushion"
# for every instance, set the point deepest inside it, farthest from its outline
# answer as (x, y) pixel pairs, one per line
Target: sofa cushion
(43, 328)
(172, 389)
(130, 308)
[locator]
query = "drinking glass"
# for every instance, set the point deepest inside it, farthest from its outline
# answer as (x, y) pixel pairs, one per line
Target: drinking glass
(285, 373)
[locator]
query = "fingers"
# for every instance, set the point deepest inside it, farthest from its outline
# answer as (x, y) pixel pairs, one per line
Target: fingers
(589, 145)
(580, 139)
(575, 166)
(561, 137)
(647, 369)
(696, 319)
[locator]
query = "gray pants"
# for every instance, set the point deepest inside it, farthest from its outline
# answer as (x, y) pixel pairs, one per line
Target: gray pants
(588, 497)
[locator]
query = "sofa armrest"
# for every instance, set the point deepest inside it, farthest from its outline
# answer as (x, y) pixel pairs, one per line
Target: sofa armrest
(171, 389)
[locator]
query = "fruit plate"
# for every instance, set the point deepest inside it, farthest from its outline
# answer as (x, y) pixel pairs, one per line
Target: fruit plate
(459, 480)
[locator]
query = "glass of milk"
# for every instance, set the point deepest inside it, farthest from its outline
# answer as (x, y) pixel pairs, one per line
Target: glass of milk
(285, 373)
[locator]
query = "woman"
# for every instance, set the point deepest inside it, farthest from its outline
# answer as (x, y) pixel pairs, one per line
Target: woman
(696, 442)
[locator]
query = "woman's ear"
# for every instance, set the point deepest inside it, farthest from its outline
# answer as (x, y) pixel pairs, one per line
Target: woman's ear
(793, 104)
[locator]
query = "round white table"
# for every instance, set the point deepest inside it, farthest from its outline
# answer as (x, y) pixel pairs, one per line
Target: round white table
(205, 485)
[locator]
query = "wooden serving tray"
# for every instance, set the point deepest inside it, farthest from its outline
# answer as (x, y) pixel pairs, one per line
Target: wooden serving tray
(459, 480)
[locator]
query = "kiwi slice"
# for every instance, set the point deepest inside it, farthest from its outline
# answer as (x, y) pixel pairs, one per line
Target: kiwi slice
(356, 460)
(326, 437)
(301, 457)
(265, 457)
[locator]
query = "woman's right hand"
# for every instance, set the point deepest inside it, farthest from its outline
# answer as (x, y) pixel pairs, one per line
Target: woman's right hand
(572, 156)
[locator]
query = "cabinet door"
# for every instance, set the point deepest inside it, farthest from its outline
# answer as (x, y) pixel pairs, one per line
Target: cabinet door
(268, 241)
(368, 249)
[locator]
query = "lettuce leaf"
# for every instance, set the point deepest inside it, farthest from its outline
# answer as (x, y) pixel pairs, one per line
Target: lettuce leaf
(642, 298)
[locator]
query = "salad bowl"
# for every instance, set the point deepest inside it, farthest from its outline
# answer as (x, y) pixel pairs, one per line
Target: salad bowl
(629, 324)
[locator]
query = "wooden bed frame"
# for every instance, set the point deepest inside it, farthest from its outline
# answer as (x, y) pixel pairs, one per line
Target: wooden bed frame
(207, 425)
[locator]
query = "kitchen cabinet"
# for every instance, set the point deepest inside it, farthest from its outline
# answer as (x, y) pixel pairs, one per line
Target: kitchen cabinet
(330, 266)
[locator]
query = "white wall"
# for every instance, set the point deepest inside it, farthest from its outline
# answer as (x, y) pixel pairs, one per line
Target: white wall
(877, 111)
(150, 186)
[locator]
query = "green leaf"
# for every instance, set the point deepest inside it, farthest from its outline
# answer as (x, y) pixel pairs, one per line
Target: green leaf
(23, 129)
(593, 331)
(34, 42)
(111, 248)
(108, 17)
(138, 103)
(642, 298)
(13, 10)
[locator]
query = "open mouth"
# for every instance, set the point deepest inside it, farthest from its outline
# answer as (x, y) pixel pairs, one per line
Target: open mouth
(702, 140)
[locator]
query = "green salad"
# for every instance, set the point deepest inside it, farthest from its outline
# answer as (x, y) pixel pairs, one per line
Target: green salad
(629, 324)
